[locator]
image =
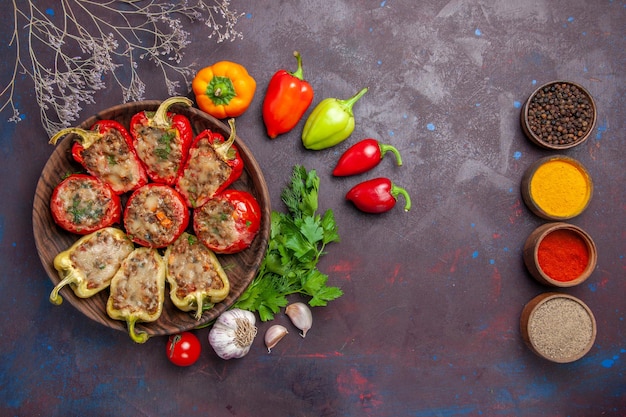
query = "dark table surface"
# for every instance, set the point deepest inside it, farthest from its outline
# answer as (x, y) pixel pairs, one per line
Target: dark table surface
(429, 322)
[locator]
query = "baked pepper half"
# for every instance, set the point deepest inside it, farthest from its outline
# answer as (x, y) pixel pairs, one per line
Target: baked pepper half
(88, 266)
(162, 140)
(288, 96)
(106, 152)
(228, 222)
(137, 290)
(212, 166)
(82, 204)
(225, 89)
(196, 277)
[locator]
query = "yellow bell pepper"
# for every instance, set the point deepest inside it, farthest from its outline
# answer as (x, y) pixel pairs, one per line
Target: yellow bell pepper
(224, 89)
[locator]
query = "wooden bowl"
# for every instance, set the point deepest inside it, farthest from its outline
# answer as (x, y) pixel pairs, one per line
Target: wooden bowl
(562, 192)
(578, 117)
(531, 251)
(558, 327)
(50, 239)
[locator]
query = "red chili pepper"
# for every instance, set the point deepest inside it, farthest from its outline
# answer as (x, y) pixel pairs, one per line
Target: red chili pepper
(363, 156)
(82, 204)
(213, 165)
(106, 152)
(377, 195)
(288, 96)
(162, 140)
(228, 222)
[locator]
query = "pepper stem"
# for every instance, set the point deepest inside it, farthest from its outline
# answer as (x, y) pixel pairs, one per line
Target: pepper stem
(199, 305)
(88, 137)
(138, 337)
(347, 104)
(70, 278)
(384, 148)
(223, 148)
(160, 116)
(396, 190)
(298, 73)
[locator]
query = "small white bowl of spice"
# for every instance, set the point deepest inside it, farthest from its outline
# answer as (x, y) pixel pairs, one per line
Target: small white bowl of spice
(558, 327)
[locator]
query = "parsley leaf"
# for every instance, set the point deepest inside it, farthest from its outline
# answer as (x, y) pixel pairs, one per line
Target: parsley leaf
(298, 239)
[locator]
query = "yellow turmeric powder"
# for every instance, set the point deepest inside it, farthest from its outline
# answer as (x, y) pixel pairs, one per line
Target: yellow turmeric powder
(560, 188)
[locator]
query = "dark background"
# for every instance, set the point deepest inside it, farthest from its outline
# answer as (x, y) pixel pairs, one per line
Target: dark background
(429, 322)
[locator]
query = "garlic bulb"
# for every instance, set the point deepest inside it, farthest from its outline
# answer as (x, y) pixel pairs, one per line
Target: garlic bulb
(300, 316)
(233, 333)
(273, 335)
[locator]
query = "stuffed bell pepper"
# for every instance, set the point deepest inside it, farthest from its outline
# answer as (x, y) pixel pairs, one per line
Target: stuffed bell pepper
(196, 278)
(89, 265)
(106, 152)
(212, 166)
(137, 291)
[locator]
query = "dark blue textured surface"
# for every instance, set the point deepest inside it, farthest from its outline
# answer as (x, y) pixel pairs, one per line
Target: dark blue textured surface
(428, 325)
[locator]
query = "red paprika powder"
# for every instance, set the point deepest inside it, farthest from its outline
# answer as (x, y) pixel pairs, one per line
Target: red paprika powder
(563, 255)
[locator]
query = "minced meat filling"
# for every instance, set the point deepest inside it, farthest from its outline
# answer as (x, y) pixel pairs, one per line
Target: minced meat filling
(153, 215)
(111, 160)
(137, 288)
(191, 266)
(204, 174)
(216, 225)
(159, 149)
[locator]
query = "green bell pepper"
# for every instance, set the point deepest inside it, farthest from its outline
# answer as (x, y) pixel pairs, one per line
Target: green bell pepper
(330, 123)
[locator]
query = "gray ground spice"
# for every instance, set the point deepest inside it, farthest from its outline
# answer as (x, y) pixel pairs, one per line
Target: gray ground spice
(560, 328)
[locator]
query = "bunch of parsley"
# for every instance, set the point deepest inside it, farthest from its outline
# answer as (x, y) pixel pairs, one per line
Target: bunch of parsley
(297, 241)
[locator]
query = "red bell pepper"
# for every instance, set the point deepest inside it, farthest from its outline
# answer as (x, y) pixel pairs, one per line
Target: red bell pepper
(212, 166)
(106, 152)
(82, 204)
(162, 140)
(363, 156)
(288, 96)
(377, 195)
(155, 215)
(228, 222)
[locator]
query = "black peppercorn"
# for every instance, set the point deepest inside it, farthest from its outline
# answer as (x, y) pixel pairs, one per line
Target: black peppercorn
(559, 114)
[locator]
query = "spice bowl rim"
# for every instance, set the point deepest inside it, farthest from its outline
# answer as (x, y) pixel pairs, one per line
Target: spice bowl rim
(537, 140)
(530, 173)
(531, 260)
(531, 308)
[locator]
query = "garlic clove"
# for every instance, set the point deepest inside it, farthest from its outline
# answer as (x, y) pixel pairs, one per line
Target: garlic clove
(273, 335)
(301, 317)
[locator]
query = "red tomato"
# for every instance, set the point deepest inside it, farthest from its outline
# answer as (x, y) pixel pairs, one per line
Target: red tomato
(82, 204)
(183, 349)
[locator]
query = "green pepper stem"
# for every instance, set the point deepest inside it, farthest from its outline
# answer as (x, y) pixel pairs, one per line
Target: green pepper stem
(70, 278)
(223, 148)
(160, 116)
(88, 137)
(384, 148)
(138, 337)
(396, 190)
(199, 305)
(298, 73)
(349, 103)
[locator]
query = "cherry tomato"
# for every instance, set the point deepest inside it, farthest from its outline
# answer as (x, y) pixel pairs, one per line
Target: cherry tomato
(183, 349)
